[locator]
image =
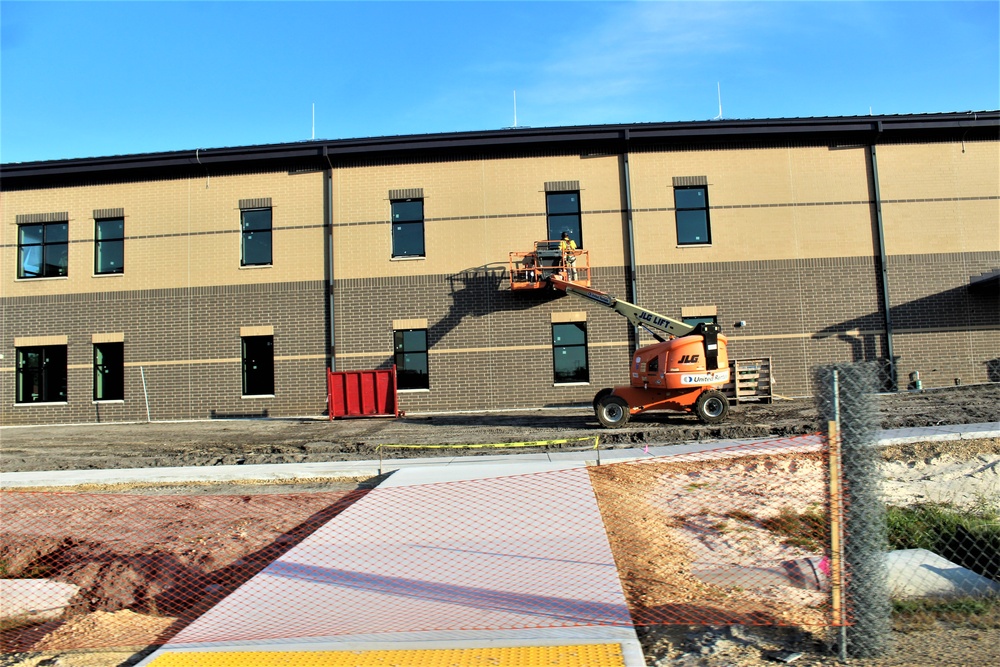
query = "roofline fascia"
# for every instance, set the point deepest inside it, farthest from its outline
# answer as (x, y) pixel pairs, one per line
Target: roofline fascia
(877, 127)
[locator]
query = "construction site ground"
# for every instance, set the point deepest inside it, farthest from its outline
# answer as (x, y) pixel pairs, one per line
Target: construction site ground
(314, 439)
(227, 442)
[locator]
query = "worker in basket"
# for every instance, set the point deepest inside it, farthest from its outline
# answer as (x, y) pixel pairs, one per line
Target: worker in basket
(568, 248)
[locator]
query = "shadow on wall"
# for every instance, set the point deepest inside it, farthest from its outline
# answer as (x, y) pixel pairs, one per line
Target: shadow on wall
(957, 307)
(993, 370)
(478, 292)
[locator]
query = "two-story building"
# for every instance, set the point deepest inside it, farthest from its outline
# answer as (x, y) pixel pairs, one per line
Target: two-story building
(225, 281)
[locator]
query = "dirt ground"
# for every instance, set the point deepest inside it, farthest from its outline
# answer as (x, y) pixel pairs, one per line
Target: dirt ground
(228, 442)
(299, 440)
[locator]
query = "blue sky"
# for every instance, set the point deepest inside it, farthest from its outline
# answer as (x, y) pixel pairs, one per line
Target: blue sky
(85, 79)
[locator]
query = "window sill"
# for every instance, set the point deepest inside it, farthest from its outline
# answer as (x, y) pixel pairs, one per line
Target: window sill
(694, 245)
(256, 266)
(413, 391)
(407, 258)
(40, 405)
(570, 384)
(31, 280)
(257, 396)
(110, 401)
(120, 274)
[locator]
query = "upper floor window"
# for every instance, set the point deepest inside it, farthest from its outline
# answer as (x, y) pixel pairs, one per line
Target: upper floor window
(569, 352)
(41, 374)
(109, 246)
(255, 242)
(43, 250)
(408, 228)
(411, 359)
(563, 215)
(691, 209)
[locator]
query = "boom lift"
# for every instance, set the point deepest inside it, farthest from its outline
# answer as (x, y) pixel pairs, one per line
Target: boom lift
(682, 372)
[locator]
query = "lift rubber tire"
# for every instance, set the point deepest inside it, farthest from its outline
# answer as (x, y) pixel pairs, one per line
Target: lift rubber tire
(712, 407)
(599, 395)
(612, 411)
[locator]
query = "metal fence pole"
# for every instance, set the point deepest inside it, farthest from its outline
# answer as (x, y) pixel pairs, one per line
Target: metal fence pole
(837, 522)
(866, 592)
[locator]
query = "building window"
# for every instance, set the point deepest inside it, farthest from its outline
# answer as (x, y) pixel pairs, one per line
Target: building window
(563, 215)
(695, 321)
(109, 371)
(41, 374)
(43, 250)
(569, 352)
(411, 359)
(109, 246)
(255, 245)
(258, 365)
(408, 228)
(691, 209)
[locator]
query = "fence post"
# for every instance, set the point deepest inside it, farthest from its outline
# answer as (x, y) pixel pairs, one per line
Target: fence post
(845, 395)
(836, 522)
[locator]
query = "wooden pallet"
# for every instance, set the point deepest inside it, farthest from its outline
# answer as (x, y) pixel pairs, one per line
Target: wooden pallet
(749, 380)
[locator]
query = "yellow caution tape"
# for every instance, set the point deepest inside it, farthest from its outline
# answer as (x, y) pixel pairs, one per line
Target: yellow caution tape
(501, 445)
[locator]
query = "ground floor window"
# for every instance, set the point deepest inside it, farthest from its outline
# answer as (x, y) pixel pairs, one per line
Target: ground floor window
(695, 321)
(41, 374)
(109, 371)
(569, 352)
(258, 365)
(411, 359)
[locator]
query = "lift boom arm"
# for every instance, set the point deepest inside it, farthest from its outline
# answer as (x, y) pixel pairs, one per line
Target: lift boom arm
(654, 323)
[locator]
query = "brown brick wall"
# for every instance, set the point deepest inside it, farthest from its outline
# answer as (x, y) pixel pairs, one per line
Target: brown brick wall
(188, 344)
(943, 330)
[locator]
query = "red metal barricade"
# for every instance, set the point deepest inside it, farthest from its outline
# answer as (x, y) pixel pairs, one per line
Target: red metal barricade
(362, 393)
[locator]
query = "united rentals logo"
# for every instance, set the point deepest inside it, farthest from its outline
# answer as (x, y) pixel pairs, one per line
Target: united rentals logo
(706, 378)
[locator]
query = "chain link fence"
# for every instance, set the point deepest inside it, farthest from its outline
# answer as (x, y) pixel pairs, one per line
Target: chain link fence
(919, 523)
(791, 532)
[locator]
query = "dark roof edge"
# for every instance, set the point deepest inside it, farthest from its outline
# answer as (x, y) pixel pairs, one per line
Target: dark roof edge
(954, 125)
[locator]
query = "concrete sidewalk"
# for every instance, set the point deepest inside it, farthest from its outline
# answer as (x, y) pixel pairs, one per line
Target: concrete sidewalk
(496, 557)
(371, 468)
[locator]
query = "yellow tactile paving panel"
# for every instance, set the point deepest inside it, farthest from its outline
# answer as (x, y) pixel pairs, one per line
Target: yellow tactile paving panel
(582, 655)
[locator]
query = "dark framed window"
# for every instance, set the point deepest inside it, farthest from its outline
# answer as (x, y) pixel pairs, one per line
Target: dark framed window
(563, 215)
(43, 250)
(695, 321)
(408, 228)
(109, 371)
(258, 365)
(41, 374)
(109, 246)
(691, 209)
(410, 347)
(569, 352)
(255, 243)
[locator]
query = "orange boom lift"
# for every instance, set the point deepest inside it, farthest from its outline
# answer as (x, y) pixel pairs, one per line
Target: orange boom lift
(683, 372)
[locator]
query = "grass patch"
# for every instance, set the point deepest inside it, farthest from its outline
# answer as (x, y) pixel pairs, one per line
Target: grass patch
(809, 530)
(925, 613)
(969, 537)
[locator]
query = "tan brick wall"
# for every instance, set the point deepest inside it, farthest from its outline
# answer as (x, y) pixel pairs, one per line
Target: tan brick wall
(179, 233)
(940, 197)
(476, 212)
(765, 203)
